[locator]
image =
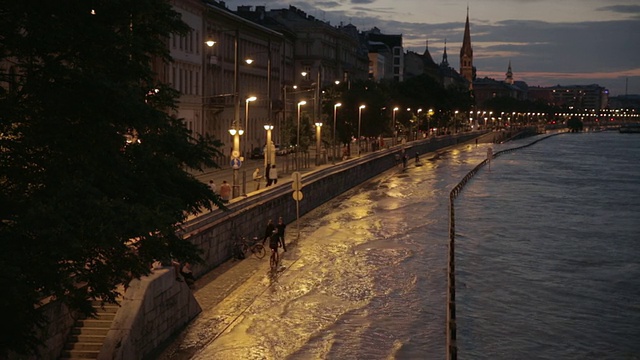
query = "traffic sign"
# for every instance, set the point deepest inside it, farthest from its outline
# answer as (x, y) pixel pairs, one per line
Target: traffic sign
(297, 181)
(297, 195)
(236, 163)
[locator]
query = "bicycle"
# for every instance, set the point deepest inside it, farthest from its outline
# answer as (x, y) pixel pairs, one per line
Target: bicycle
(244, 246)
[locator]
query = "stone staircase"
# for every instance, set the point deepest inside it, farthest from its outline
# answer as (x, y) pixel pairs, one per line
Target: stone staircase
(88, 335)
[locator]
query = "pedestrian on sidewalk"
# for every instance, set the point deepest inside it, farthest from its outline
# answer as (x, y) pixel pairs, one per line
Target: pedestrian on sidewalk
(187, 274)
(225, 191)
(273, 175)
(268, 231)
(257, 178)
(281, 226)
(212, 186)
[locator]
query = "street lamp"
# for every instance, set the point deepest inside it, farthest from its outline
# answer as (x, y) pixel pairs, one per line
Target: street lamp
(246, 117)
(335, 115)
(318, 141)
(236, 131)
(298, 135)
(268, 157)
(429, 115)
(359, 123)
(455, 122)
(393, 125)
(417, 124)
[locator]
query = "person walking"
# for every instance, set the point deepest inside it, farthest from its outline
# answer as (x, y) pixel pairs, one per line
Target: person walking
(212, 186)
(281, 226)
(268, 231)
(273, 175)
(257, 178)
(225, 191)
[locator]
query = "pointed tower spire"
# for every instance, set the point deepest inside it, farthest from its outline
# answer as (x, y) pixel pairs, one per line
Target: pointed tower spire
(509, 78)
(466, 54)
(445, 60)
(426, 56)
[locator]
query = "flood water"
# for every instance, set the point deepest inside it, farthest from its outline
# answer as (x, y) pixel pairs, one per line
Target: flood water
(547, 260)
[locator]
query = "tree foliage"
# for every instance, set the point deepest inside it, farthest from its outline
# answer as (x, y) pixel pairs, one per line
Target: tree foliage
(82, 209)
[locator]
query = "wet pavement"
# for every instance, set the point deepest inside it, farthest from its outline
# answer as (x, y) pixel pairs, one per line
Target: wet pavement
(366, 279)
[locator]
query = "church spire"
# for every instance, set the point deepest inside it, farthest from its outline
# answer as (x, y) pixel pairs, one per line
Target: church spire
(466, 54)
(509, 78)
(445, 60)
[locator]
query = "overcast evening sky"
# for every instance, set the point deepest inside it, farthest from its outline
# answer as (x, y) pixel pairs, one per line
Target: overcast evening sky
(549, 42)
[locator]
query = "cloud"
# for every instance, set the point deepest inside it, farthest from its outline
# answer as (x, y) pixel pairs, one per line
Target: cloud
(622, 9)
(328, 4)
(363, 1)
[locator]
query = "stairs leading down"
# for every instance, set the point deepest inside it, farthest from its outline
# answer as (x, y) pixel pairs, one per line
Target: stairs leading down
(88, 334)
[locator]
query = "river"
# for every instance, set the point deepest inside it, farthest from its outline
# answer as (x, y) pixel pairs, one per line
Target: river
(546, 257)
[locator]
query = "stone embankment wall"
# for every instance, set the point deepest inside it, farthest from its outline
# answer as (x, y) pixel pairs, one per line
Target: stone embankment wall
(154, 308)
(214, 233)
(54, 335)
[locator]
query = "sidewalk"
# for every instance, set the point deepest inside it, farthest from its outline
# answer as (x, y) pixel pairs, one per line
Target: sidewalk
(284, 165)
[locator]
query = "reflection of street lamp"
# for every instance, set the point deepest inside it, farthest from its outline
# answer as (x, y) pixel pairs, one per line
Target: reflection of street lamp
(246, 117)
(235, 131)
(298, 135)
(268, 157)
(318, 141)
(359, 123)
(335, 115)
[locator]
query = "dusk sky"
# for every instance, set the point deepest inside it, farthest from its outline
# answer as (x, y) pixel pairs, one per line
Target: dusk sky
(549, 42)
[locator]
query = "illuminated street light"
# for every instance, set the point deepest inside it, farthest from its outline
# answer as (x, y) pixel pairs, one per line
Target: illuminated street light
(335, 115)
(298, 135)
(318, 141)
(393, 125)
(236, 131)
(269, 158)
(359, 125)
(246, 117)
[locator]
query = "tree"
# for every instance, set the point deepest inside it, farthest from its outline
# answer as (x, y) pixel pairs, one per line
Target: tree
(574, 124)
(93, 184)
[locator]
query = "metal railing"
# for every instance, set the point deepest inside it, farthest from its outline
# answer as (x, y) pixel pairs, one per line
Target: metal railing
(451, 330)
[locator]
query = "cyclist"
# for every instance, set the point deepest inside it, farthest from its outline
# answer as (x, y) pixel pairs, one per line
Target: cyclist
(274, 241)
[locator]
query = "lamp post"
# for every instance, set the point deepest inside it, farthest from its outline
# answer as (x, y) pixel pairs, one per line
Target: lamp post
(236, 131)
(393, 126)
(206, 60)
(455, 122)
(269, 159)
(298, 136)
(335, 115)
(417, 123)
(269, 100)
(318, 141)
(429, 115)
(246, 118)
(359, 125)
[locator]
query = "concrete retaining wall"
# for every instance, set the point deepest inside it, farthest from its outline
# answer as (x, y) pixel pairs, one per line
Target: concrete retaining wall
(153, 309)
(54, 335)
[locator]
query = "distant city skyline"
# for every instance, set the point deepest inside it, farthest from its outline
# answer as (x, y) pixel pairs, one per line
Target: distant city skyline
(549, 42)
